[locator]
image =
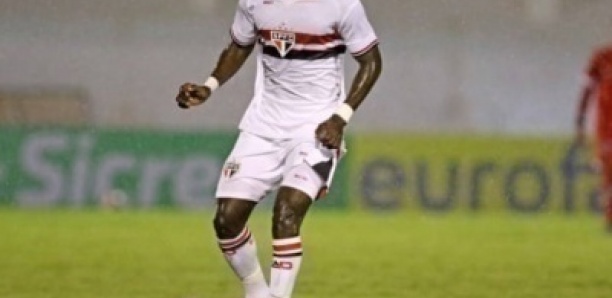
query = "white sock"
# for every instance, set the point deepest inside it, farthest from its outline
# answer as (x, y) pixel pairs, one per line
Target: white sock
(241, 254)
(285, 266)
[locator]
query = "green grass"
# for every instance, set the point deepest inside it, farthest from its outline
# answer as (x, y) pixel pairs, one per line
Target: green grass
(173, 254)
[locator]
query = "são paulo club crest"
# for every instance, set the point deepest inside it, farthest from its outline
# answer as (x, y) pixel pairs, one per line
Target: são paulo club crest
(231, 168)
(283, 41)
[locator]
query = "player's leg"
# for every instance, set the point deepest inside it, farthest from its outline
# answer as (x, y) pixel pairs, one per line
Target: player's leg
(290, 208)
(606, 189)
(309, 168)
(238, 244)
(251, 170)
(604, 152)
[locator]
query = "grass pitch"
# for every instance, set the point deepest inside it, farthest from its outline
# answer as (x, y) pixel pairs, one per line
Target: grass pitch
(72, 254)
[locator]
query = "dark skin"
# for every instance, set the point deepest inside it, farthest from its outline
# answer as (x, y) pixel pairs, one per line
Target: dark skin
(231, 60)
(291, 205)
(290, 208)
(330, 133)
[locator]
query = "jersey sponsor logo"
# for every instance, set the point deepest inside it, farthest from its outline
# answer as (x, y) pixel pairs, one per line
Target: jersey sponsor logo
(230, 169)
(282, 265)
(283, 41)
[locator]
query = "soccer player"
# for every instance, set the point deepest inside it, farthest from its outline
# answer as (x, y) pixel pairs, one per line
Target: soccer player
(291, 135)
(599, 86)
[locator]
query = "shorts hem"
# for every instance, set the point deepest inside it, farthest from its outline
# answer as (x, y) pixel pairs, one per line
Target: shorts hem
(236, 195)
(312, 194)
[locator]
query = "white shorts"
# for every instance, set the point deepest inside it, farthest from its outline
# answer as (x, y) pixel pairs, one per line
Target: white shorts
(258, 165)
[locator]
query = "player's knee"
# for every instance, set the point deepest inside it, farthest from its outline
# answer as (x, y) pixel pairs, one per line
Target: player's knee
(227, 226)
(285, 224)
(289, 211)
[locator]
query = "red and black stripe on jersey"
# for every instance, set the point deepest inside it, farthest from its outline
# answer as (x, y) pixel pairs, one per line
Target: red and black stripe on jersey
(305, 54)
(305, 47)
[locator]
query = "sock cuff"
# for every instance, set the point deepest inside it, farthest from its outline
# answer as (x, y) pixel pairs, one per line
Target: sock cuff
(286, 241)
(235, 243)
(287, 248)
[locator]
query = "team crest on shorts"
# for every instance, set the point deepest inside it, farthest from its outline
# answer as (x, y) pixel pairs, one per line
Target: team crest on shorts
(283, 41)
(230, 169)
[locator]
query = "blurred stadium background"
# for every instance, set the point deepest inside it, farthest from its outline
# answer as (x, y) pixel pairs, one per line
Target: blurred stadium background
(472, 120)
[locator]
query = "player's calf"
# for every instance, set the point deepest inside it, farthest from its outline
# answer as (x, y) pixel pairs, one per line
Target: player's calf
(290, 209)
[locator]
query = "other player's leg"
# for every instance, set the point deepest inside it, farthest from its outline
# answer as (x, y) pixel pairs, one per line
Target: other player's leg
(606, 190)
(604, 148)
(238, 244)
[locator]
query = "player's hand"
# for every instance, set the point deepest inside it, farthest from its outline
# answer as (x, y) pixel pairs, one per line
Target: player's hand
(330, 132)
(192, 95)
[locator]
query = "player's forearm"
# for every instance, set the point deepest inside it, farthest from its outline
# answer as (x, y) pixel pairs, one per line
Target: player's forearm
(370, 67)
(583, 106)
(231, 60)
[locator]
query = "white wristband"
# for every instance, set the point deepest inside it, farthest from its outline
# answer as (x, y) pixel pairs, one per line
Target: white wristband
(345, 112)
(212, 83)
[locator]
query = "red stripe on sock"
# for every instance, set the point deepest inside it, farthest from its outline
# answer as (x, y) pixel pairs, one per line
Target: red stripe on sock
(237, 245)
(245, 233)
(281, 248)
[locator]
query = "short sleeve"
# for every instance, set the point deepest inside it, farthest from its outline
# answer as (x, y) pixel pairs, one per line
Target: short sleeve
(356, 30)
(243, 30)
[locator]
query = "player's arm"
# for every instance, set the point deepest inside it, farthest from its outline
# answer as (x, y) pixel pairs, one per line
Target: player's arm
(361, 41)
(585, 100)
(370, 67)
(244, 35)
(330, 132)
(231, 60)
(586, 96)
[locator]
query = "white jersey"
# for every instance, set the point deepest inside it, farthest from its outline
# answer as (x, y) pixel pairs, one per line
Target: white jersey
(300, 75)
